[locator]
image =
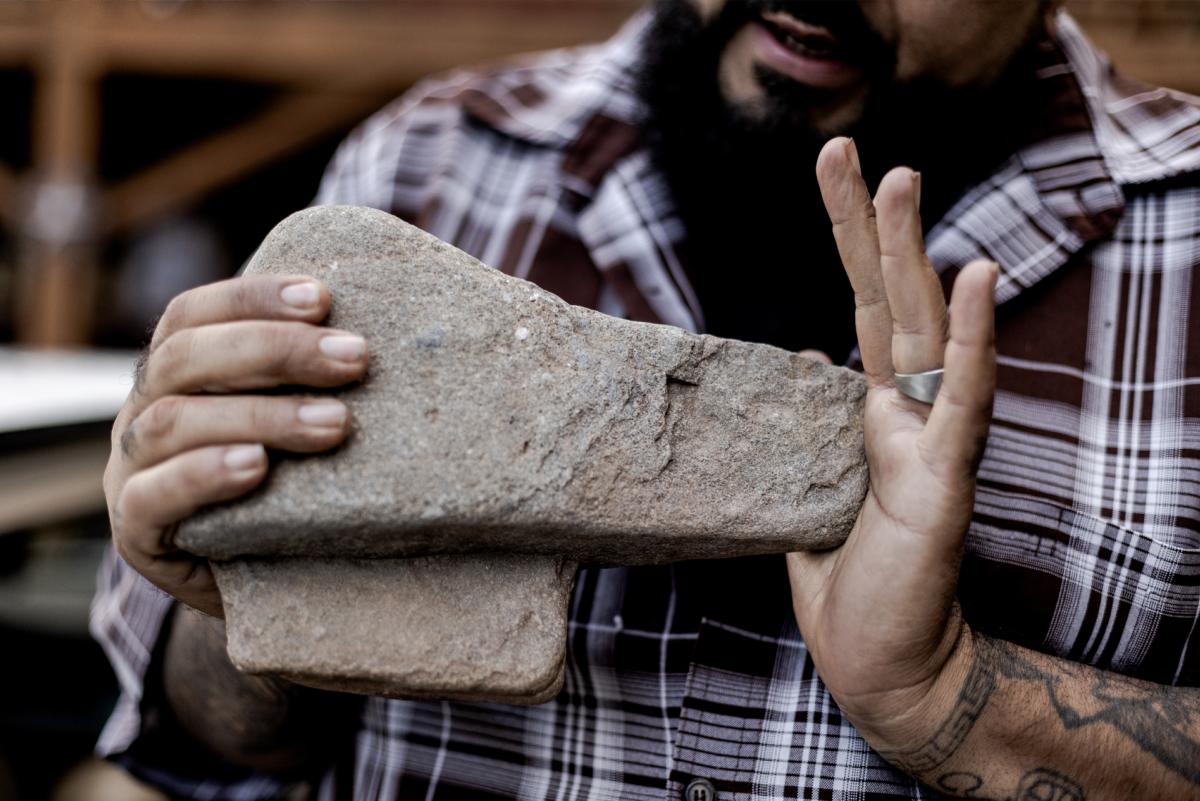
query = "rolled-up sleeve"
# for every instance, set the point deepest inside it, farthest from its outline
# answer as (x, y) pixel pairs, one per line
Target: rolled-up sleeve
(127, 618)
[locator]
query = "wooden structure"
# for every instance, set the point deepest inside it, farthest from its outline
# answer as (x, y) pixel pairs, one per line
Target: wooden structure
(337, 61)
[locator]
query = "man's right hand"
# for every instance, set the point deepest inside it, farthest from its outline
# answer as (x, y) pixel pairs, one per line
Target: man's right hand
(192, 432)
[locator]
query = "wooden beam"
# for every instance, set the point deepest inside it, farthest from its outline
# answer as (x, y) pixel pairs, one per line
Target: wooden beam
(57, 272)
(182, 179)
(315, 43)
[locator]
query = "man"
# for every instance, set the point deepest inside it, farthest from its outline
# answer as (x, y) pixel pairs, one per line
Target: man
(667, 175)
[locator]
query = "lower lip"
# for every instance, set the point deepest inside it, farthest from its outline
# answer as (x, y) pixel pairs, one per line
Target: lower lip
(818, 72)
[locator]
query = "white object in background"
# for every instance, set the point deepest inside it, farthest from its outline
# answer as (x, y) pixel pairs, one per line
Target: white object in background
(44, 389)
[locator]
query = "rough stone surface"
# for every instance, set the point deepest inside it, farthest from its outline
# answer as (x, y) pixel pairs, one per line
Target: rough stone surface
(496, 417)
(423, 627)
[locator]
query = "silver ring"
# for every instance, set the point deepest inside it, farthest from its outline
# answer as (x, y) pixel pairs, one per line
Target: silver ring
(921, 387)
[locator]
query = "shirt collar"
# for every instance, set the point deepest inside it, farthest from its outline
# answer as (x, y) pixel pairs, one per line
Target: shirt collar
(573, 86)
(1097, 132)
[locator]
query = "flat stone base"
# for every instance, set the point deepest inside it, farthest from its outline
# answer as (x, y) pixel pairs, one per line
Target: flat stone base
(469, 628)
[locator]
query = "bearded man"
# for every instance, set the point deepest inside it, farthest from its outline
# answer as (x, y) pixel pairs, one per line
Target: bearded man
(1015, 613)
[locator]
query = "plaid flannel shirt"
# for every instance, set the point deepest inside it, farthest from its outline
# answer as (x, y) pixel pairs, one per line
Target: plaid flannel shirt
(1086, 536)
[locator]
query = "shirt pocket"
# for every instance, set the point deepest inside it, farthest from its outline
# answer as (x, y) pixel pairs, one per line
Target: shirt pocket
(1083, 588)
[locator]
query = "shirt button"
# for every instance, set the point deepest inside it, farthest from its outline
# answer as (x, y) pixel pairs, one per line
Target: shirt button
(700, 790)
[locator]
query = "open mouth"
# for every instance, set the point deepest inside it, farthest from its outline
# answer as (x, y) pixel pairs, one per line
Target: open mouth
(801, 38)
(806, 53)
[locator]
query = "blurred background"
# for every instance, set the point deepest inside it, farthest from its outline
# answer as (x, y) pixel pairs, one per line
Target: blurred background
(147, 146)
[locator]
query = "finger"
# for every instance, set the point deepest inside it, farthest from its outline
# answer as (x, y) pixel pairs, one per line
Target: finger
(853, 216)
(157, 498)
(258, 297)
(178, 423)
(153, 501)
(230, 357)
(914, 292)
(816, 355)
(957, 428)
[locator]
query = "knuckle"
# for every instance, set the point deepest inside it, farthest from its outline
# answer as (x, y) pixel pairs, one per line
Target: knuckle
(870, 300)
(266, 414)
(277, 357)
(245, 298)
(175, 315)
(170, 357)
(159, 420)
(124, 509)
(284, 348)
(128, 443)
(923, 330)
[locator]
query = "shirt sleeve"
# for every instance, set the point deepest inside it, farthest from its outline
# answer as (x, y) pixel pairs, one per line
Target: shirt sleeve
(130, 619)
(127, 615)
(392, 160)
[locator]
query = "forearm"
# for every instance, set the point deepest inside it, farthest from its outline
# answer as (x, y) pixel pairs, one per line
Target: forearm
(259, 722)
(1021, 725)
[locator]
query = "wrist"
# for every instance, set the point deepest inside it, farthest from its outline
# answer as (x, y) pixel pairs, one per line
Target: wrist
(932, 720)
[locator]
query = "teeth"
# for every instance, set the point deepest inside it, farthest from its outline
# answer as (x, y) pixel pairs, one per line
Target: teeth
(815, 46)
(805, 47)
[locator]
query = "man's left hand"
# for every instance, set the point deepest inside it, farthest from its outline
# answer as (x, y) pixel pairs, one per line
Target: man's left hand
(879, 614)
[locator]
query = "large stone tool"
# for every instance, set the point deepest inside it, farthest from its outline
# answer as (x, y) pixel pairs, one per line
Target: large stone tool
(502, 435)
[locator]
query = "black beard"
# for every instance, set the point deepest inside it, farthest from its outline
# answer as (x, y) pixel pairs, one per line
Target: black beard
(759, 248)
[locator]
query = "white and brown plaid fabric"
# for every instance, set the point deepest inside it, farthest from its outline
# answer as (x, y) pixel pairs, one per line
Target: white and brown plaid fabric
(1086, 538)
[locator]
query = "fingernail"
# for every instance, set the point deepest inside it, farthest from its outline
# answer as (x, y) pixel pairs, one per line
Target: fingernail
(301, 296)
(916, 178)
(322, 413)
(852, 154)
(244, 457)
(344, 347)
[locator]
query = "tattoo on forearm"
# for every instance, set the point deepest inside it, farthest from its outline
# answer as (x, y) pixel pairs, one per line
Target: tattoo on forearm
(1040, 784)
(978, 688)
(1162, 721)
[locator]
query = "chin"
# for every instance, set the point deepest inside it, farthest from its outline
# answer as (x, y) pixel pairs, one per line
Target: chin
(813, 112)
(839, 119)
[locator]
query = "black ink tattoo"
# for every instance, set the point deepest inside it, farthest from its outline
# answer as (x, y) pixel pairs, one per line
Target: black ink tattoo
(1160, 720)
(978, 688)
(961, 784)
(1048, 785)
(1040, 784)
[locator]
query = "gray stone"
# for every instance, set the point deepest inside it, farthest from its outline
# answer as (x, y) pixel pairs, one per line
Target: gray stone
(459, 626)
(496, 417)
